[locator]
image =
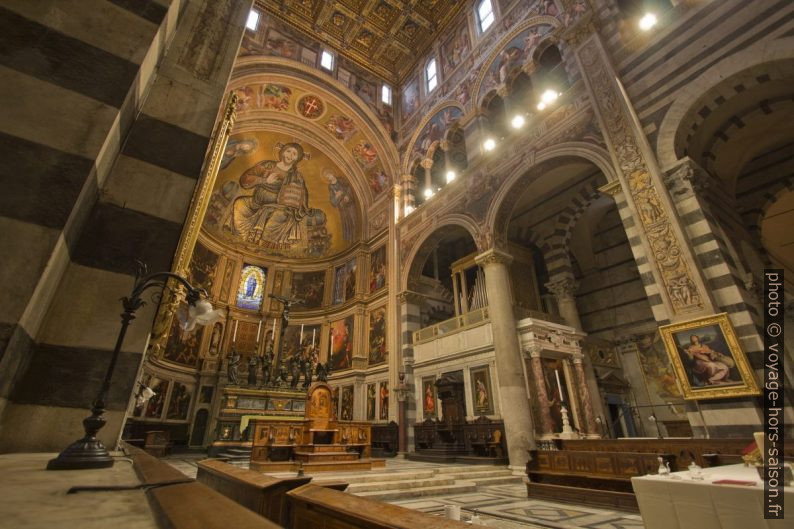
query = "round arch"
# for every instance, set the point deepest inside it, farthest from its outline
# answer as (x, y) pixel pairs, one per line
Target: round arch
(710, 84)
(419, 250)
(598, 156)
(407, 158)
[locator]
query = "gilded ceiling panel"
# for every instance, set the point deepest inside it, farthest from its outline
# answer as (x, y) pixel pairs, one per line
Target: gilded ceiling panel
(385, 37)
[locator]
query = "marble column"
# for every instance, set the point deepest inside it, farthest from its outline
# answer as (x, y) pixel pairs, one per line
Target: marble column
(564, 288)
(590, 427)
(408, 192)
(546, 423)
(512, 393)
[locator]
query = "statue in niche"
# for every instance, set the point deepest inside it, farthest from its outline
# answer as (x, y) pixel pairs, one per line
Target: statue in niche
(267, 363)
(231, 369)
(295, 368)
(253, 367)
(323, 370)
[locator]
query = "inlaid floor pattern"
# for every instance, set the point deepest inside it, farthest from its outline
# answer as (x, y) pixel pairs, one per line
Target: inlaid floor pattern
(492, 492)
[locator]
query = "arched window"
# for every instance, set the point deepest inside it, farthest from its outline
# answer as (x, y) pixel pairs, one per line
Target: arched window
(485, 16)
(431, 75)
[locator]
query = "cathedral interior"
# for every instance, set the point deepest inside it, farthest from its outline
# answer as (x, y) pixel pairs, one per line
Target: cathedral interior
(527, 253)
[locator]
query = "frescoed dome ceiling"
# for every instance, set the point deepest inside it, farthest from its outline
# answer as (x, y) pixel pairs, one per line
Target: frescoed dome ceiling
(385, 37)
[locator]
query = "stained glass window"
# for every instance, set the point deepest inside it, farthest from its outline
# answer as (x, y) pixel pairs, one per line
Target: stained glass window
(252, 287)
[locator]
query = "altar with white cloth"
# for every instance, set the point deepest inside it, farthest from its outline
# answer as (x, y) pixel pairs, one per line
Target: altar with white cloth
(679, 502)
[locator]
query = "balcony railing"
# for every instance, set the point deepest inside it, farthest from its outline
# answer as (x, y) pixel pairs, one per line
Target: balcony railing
(458, 323)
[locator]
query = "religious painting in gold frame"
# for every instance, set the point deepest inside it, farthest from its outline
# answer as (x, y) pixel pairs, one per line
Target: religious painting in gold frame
(708, 360)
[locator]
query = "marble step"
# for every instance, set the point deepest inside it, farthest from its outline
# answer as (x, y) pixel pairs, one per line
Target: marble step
(457, 487)
(391, 476)
(468, 469)
(471, 474)
(357, 487)
(497, 480)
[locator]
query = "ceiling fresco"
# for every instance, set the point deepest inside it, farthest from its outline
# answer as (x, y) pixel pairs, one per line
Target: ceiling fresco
(385, 37)
(278, 196)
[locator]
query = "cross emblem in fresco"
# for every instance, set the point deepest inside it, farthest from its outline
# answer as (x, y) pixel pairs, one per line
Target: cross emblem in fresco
(311, 107)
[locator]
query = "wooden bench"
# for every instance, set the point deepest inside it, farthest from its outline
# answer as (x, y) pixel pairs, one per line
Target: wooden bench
(315, 507)
(179, 502)
(263, 494)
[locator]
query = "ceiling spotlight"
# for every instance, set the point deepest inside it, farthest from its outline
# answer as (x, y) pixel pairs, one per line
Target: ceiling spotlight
(408, 209)
(489, 144)
(549, 96)
(541, 105)
(428, 192)
(450, 176)
(517, 121)
(648, 21)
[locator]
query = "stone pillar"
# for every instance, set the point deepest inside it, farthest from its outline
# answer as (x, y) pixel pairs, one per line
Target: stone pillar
(408, 192)
(409, 306)
(512, 393)
(402, 392)
(546, 424)
(590, 427)
(564, 289)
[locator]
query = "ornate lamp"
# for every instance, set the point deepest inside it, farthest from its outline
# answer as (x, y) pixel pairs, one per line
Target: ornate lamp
(89, 452)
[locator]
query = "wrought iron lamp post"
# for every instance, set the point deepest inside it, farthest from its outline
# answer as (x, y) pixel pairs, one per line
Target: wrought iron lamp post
(402, 391)
(90, 452)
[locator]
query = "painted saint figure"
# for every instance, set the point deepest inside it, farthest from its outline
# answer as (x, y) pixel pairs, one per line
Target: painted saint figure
(276, 214)
(710, 366)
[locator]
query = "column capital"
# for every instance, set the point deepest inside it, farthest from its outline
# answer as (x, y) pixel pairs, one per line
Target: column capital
(408, 296)
(563, 287)
(493, 256)
(612, 188)
(534, 351)
(396, 191)
(688, 178)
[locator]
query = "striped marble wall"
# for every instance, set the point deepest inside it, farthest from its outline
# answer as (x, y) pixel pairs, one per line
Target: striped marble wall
(111, 106)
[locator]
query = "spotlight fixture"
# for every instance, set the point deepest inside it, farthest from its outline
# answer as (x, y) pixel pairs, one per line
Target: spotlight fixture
(428, 192)
(549, 96)
(408, 209)
(450, 176)
(541, 105)
(648, 21)
(489, 144)
(518, 121)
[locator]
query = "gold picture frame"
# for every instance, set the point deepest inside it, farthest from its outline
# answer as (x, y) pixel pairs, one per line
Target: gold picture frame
(708, 360)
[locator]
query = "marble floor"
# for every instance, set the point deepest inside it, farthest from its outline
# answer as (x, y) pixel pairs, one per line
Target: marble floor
(502, 505)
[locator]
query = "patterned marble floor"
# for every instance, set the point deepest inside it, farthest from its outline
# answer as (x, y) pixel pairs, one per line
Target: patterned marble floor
(504, 506)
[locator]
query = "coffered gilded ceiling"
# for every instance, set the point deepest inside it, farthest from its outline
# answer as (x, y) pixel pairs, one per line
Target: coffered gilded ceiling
(386, 37)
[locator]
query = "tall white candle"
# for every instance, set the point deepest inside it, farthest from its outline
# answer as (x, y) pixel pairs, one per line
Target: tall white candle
(313, 332)
(258, 331)
(274, 329)
(300, 341)
(559, 386)
(236, 324)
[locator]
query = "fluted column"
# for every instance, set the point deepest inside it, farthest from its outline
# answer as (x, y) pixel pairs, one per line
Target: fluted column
(512, 393)
(590, 427)
(564, 289)
(546, 423)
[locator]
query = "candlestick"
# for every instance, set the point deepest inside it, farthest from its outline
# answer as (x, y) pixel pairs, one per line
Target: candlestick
(559, 386)
(258, 331)
(236, 324)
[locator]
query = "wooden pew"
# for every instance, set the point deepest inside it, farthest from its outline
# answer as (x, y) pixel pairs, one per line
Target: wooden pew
(265, 495)
(179, 502)
(315, 507)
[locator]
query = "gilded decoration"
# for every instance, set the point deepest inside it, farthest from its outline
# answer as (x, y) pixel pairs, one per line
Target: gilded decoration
(708, 360)
(679, 282)
(379, 36)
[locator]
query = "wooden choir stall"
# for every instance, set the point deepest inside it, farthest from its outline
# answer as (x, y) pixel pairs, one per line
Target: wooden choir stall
(317, 442)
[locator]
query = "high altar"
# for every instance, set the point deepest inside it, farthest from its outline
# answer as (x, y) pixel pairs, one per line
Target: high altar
(318, 441)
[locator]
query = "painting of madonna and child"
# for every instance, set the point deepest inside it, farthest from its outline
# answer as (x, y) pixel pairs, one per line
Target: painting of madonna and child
(707, 358)
(282, 197)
